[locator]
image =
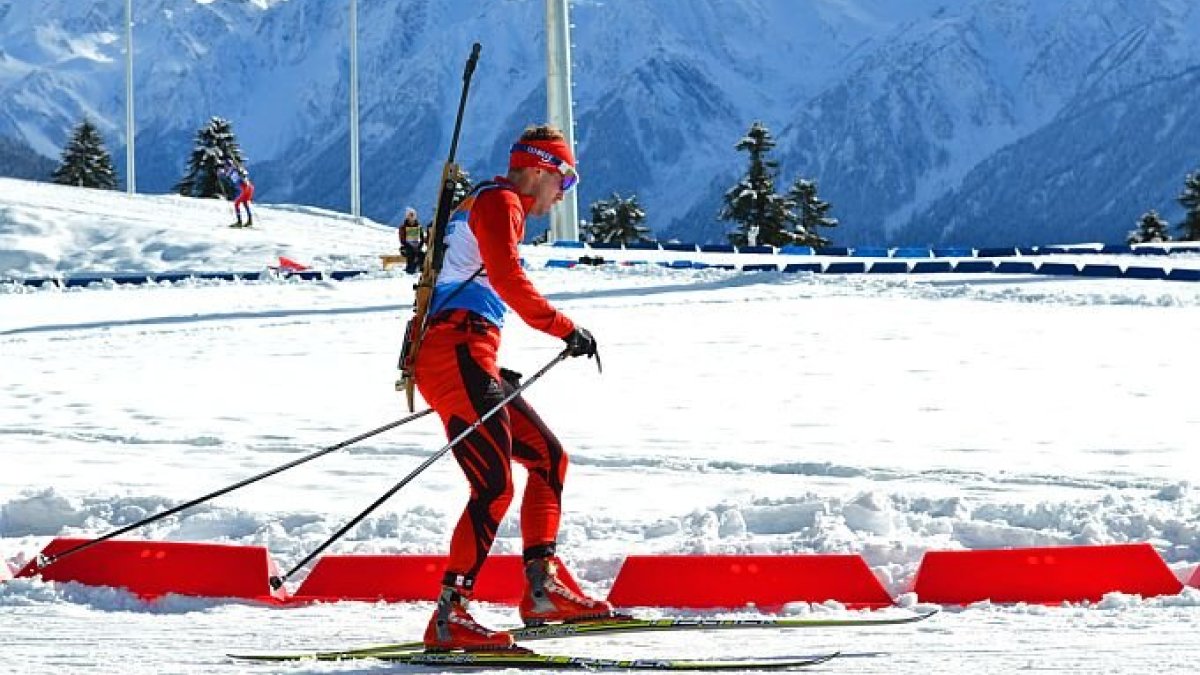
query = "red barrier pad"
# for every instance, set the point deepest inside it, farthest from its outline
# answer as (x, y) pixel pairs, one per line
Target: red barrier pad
(401, 578)
(151, 569)
(732, 581)
(1043, 575)
(1194, 582)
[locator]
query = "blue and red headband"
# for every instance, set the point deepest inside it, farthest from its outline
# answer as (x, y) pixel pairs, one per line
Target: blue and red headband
(552, 155)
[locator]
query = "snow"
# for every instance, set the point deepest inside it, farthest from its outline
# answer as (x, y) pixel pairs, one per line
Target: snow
(736, 412)
(47, 228)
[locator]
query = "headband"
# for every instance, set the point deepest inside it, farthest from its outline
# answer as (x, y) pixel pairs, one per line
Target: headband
(554, 155)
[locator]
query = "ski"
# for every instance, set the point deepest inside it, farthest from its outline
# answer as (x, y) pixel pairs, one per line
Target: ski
(530, 660)
(610, 627)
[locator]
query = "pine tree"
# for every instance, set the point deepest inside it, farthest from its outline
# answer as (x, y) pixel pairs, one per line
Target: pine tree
(1190, 199)
(753, 203)
(1151, 228)
(810, 210)
(618, 220)
(215, 143)
(85, 162)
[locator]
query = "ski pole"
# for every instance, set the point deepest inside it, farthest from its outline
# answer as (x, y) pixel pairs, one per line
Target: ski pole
(43, 561)
(277, 581)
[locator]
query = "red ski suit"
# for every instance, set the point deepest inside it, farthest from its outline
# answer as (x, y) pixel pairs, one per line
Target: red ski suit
(457, 374)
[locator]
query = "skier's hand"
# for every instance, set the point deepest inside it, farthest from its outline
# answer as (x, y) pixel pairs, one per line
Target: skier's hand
(510, 376)
(581, 343)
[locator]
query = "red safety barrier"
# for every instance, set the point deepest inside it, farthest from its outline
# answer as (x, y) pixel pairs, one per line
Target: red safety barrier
(151, 569)
(399, 578)
(1043, 575)
(731, 581)
(1194, 582)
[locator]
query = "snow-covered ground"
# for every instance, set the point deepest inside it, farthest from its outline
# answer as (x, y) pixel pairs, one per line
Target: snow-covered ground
(48, 229)
(736, 413)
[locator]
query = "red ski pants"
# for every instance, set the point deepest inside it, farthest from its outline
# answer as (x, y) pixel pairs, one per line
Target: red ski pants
(245, 194)
(456, 373)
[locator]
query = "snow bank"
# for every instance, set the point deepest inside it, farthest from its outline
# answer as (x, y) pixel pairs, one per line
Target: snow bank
(47, 228)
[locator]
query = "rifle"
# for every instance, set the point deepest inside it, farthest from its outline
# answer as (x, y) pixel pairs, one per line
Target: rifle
(414, 332)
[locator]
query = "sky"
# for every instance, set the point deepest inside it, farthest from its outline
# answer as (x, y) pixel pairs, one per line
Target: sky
(737, 413)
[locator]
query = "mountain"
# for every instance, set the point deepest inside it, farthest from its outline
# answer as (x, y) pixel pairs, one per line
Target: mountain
(21, 161)
(924, 122)
(1087, 175)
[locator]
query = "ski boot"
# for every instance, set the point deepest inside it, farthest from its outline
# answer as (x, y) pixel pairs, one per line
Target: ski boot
(453, 628)
(551, 598)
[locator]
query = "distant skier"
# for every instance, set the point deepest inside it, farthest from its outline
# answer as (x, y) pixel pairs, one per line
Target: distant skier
(457, 374)
(237, 177)
(412, 242)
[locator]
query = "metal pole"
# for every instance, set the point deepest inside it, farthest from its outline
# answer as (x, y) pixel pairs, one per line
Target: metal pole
(355, 197)
(564, 217)
(130, 165)
(42, 562)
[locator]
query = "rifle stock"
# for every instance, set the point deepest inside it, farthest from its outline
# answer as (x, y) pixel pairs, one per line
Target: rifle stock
(414, 332)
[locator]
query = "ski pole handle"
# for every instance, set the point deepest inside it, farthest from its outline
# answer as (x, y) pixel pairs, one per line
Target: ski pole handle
(472, 60)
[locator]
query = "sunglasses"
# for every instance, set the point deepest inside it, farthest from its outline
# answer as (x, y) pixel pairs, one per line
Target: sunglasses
(570, 177)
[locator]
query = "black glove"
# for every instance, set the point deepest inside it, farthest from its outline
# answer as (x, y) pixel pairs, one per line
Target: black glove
(510, 376)
(581, 343)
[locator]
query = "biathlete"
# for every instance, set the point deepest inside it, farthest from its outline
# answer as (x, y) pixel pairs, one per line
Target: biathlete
(239, 180)
(457, 373)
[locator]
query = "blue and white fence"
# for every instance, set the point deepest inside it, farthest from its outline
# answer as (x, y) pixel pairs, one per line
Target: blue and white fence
(787, 259)
(84, 280)
(906, 252)
(908, 260)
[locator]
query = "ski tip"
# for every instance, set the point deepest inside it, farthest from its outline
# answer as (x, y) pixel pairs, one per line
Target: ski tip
(819, 658)
(914, 616)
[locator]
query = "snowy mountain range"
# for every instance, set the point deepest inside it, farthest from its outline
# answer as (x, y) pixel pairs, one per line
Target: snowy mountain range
(925, 122)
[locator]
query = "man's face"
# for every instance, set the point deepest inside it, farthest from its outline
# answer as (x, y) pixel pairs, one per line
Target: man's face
(546, 191)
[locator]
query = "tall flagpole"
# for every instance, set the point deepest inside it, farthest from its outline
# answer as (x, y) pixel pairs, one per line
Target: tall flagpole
(564, 217)
(130, 167)
(355, 197)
